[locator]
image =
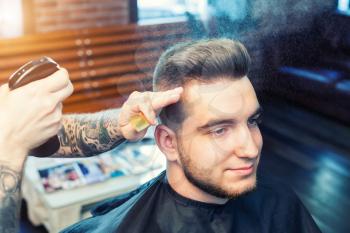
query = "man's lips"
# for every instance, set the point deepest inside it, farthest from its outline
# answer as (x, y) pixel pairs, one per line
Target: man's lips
(245, 170)
(245, 167)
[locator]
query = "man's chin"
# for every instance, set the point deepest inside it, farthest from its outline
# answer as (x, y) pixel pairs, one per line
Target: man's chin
(226, 191)
(240, 188)
(241, 191)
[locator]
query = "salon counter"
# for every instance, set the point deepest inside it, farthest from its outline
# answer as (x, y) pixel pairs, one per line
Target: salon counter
(56, 210)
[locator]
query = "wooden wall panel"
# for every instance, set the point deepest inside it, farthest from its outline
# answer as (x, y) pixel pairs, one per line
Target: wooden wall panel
(55, 15)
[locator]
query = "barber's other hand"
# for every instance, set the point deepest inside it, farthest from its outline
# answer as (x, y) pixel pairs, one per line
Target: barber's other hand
(31, 114)
(147, 103)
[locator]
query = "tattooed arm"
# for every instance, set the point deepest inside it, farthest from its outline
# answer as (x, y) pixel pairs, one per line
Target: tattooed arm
(10, 197)
(89, 134)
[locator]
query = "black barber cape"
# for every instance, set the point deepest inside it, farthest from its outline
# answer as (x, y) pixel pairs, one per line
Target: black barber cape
(155, 207)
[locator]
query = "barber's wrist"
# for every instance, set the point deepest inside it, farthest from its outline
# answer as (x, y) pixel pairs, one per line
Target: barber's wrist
(12, 156)
(15, 165)
(10, 178)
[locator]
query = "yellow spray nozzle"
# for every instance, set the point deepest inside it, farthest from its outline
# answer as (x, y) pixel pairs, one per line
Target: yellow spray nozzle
(139, 122)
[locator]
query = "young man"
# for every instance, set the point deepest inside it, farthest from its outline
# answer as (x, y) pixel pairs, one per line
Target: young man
(212, 143)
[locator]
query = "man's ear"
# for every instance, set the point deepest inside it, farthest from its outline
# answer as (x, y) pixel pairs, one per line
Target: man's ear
(166, 141)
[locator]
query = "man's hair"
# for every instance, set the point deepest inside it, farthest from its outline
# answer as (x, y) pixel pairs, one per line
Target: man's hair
(204, 61)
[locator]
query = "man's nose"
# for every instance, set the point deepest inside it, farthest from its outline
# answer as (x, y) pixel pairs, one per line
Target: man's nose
(246, 146)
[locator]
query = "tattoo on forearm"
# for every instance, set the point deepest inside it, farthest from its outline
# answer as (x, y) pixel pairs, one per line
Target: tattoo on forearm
(89, 134)
(10, 199)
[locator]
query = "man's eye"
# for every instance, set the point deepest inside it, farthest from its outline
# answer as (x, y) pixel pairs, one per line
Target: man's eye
(254, 121)
(218, 132)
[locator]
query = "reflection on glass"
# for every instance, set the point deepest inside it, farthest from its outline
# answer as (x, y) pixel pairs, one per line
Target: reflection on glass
(343, 5)
(169, 9)
(11, 18)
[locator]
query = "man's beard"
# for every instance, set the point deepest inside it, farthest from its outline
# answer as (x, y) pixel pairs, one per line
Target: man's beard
(192, 176)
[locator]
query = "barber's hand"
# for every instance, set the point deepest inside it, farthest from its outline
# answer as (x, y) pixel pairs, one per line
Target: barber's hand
(148, 104)
(31, 114)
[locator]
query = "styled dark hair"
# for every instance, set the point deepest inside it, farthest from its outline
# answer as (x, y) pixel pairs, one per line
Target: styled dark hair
(204, 61)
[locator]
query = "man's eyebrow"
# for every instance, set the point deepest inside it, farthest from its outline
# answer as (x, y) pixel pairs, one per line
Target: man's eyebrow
(213, 123)
(216, 122)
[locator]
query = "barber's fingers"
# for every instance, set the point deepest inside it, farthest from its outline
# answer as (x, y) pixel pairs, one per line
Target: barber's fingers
(54, 118)
(58, 80)
(57, 86)
(51, 130)
(148, 103)
(164, 98)
(53, 83)
(146, 109)
(57, 114)
(63, 93)
(59, 107)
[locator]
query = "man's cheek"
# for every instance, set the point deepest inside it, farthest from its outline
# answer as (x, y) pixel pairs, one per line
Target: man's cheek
(210, 155)
(221, 148)
(203, 150)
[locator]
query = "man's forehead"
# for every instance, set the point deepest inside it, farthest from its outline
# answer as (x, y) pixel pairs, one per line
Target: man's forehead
(222, 98)
(195, 88)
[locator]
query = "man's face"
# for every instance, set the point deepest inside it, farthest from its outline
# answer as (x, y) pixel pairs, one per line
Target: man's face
(219, 143)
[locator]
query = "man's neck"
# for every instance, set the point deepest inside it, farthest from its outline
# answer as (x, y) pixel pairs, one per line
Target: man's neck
(180, 184)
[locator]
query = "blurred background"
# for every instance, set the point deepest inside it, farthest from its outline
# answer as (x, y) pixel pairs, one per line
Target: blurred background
(301, 71)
